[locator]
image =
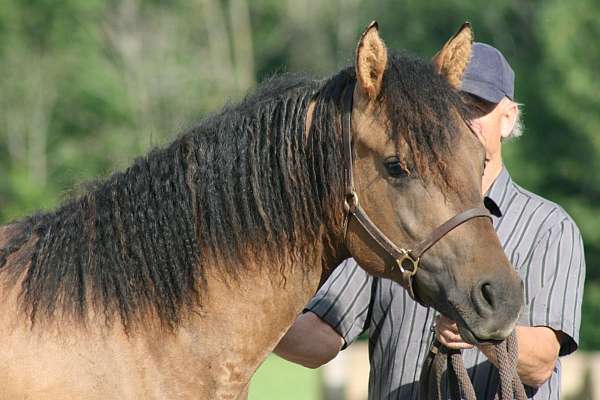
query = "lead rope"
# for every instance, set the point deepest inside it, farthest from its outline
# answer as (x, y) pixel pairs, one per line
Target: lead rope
(442, 359)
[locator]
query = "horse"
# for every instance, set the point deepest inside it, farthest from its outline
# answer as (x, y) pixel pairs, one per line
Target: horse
(175, 278)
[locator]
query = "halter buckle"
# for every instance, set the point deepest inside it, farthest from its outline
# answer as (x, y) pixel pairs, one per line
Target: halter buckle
(407, 264)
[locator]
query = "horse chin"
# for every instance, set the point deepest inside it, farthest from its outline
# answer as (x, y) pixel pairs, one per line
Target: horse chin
(468, 336)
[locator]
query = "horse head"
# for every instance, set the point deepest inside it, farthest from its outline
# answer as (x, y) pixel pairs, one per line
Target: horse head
(415, 163)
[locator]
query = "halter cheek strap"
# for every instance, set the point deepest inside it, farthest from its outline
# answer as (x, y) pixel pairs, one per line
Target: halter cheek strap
(405, 260)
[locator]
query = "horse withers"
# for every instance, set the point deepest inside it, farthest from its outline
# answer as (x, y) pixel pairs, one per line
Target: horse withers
(175, 278)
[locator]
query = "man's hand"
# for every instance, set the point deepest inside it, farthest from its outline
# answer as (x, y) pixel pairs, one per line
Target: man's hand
(538, 349)
(446, 332)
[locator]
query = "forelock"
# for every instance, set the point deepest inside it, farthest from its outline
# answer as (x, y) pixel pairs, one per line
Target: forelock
(424, 113)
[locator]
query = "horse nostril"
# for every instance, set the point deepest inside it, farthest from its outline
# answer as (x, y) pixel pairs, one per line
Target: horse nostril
(488, 294)
(484, 299)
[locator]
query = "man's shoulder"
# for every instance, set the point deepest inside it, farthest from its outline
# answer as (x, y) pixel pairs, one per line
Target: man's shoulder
(550, 214)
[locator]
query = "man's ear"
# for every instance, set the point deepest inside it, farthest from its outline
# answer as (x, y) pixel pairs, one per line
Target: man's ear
(509, 118)
(452, 60)
(371, 60)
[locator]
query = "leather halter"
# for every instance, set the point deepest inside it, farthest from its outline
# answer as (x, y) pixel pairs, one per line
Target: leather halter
(405, 259)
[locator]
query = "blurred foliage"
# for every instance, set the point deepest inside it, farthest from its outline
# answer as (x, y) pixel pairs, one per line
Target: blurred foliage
(279, 379)
(87, 85)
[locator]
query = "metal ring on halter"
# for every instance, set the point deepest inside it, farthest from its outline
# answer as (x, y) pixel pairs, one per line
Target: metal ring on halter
(406, 261)
(351, 201)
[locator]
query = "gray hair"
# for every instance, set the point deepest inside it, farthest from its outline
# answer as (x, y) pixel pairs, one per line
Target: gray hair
(518, 128)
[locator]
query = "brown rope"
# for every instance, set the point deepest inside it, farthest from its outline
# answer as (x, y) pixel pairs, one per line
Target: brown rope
(442, 359)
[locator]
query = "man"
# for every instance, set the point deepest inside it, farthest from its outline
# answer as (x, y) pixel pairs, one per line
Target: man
(539, 238)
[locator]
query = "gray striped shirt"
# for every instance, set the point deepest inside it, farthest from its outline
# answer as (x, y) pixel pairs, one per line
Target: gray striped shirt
(545, 247)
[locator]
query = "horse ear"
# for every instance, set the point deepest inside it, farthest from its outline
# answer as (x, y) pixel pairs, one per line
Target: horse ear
(452, 60)
(371, 60)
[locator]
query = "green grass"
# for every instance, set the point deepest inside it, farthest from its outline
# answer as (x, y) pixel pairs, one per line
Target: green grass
(278, 379)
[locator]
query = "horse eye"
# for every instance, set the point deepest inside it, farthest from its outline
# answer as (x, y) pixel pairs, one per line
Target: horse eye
(394, 167)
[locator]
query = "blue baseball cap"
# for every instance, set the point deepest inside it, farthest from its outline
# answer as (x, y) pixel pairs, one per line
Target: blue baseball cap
(488, 74)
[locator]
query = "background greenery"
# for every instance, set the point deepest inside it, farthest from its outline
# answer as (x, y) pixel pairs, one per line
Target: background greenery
(279, 379)
(87, 85)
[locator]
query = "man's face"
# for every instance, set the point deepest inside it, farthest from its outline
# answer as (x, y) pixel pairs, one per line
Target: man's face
(491, 122)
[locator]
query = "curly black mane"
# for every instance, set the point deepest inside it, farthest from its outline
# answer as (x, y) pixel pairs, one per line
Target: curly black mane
(244, 185)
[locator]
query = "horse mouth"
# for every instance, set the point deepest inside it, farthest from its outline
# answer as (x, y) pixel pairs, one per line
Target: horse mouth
(470, 337)
(475, 336)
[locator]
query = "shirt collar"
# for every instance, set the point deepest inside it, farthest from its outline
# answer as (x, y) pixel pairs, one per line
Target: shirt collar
(496, 194)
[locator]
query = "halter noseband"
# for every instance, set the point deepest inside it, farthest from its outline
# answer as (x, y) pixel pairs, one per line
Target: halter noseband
(406, 260)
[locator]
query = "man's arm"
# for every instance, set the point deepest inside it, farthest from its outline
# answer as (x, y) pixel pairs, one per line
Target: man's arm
(309, 342)
(538, 349)
(334, 317)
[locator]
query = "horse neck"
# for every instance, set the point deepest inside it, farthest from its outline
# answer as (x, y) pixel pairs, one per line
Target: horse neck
(243, 319)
